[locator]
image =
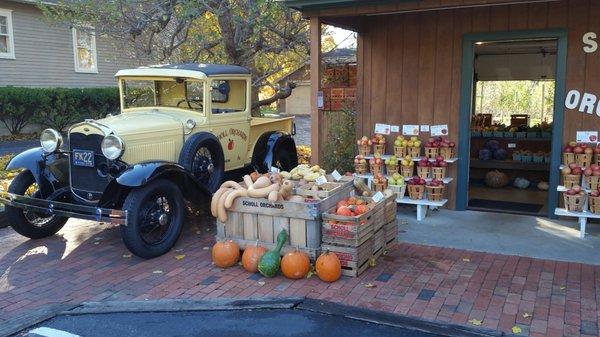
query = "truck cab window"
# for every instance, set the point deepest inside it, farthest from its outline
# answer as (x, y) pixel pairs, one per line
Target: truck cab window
(228, 96)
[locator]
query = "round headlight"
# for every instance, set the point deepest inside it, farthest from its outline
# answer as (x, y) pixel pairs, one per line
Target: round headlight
(112, 147)
(50, 140)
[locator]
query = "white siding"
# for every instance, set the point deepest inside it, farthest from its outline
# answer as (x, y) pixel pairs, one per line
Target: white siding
(44, 54)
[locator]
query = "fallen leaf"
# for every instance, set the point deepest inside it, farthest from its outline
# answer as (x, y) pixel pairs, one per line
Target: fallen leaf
(370, 285)
(98, 238)
(385, 252)
(205, 248)
(563, 287)
(309, 274)
(515, 329)
(179, 257)
(474, 321)
(157, 272)
(127, 255)
(372, 262)
(466, 259)
(179, 250)
(526, 315)
(97, 242)
(261, 283)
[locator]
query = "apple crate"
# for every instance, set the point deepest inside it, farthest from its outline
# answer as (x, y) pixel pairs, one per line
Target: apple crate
(423, 172)
(568, 158)
(447, 153)
(378, 243)
(390, 230)
(435, 193)
(597, 159)
(390, 207)
(391, 169)
(400, 151)
(322, 191)
(574, 203)
(414, 151)
(354, 260)
(380, 186)
(438, 173)
(379, 148)
(399, 190)
(407, 171)
(256, 219)
(379, 217)
(376, 168)
(349, 230)
(364, 150)
(416, 192)
(583, 159)
(592, 182)
(360, 168)
(594, 204)
(571, 180)
(431, 152)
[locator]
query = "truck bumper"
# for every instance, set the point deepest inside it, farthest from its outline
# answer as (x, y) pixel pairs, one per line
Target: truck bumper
(112, 216)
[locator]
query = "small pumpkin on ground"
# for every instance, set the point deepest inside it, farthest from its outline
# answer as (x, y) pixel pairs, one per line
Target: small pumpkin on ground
(295, 265)
(251, 256)
(328, 267)
(269, 263)
(225, 253)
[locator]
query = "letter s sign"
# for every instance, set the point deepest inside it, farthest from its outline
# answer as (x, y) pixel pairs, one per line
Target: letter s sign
(590, 43)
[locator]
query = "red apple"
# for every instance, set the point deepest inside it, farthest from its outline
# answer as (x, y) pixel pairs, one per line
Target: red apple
(576, 171)
(578, 149)
(572, 165)
(588, 150)
(588, 172)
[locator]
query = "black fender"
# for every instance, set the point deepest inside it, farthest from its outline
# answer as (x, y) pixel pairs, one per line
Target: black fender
(267, 145)
(51, 171)
(143, 173)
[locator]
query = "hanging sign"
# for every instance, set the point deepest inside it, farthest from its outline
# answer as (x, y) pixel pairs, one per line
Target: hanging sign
(410, 130)
(587, 136)
(395, 128)
(320, 104)
(439, 130)
(383, 129)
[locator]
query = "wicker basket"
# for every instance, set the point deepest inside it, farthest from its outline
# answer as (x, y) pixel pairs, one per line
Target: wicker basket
(380, 187)
(364, 150)
(399, 190)
(376, 168)
(571, 180)
(574, 203)
(438, 173)
(379, 148)
(360, 168)
(400, 151)
(594, 204)
(447, 152)
(407, 171)
(597, 159)
(431, 152)
(592, 182)
(416, 192)
(391, 169)
(423, 172)
(414, 152)
(568, 158)
(583, 159)
(435, 193)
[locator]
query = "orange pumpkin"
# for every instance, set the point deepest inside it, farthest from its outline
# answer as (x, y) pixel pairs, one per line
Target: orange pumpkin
(345, 211)
(295, 265)
(361, 209)
(225, 253)
(328, 267)
(251, 256)
(342, 203)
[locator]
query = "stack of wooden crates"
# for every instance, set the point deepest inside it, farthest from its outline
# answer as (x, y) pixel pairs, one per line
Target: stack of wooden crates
(359, 240)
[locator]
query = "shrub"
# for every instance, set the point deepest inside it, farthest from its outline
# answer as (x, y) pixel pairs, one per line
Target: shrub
(54, 107)
(340, 144)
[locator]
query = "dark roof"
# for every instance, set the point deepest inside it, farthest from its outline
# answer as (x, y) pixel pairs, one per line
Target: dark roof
(208, 69)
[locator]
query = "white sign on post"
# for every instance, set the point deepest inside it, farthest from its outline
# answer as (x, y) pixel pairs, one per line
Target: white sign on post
(394, 128)
(587, 136)
(383, 129)
(320, 104)
(378, 197)
(336, 175)
(439, 130)
(410, 130)
(321, 180)
(424, 128)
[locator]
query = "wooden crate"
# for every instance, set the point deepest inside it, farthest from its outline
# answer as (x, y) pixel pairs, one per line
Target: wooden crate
(324, 191)
(378, 242)
(350, 231)
(379, 217)
(251, 219)
(390, 208)
(390, 230)
(354, 260)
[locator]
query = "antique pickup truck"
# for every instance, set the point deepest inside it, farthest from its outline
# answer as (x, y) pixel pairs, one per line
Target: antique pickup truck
(181, 127)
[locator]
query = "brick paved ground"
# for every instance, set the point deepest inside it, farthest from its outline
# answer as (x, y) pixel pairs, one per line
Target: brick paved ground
(86, 262)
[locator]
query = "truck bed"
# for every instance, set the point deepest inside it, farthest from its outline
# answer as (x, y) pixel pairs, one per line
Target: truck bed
(260, 125)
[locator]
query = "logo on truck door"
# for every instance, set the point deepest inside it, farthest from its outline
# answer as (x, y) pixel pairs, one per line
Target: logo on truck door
(232, 132)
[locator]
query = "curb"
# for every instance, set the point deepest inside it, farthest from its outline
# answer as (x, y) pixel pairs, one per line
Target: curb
(24, 321)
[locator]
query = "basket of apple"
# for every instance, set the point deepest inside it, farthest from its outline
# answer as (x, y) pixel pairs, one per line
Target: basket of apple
(407, 166)
(435, 190)
(594, 201)
(432, 147)
(414, 147)
(571, 175)
(447, 149)
(378, 144)
(360, 164)
(391, 165)
(597, 154)
(379, 182)
(438, 168)
(400, 147)
(423, 168)
(396, 183)
(583, 155)
(376, 164)
(574, 199)
(592, 176)
(364, 146)
(416, 188)
(568, 154)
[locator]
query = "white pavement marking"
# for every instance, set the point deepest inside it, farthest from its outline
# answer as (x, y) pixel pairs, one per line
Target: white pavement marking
(49, 332)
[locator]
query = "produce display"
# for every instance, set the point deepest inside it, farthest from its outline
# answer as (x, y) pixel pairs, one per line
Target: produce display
(268, 264)
(391, 165)
(439, 146)
(580, 153)
(351, 207)
(521, 183)
(423, 168)
(295, 265)
(572, 175)
(407, 166)
(416, 188)
(400, 146)
(360, 164)
(304, 172)
(378, 144)
(380, 182)
(592, 176)
(328, 267)
(376, 164)
(574, 199)
(304, 153)
(396, 179)
(435, 190)
(542, 130)
(364, 145)
(225, 253)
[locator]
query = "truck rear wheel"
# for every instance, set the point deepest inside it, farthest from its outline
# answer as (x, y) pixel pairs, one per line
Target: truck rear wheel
(34, 225)
(155, 215)
(202, 155)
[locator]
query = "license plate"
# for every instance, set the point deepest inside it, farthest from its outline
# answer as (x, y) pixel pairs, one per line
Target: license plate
(83, 158)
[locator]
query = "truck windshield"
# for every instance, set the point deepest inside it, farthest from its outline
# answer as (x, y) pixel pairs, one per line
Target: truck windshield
(175, 93)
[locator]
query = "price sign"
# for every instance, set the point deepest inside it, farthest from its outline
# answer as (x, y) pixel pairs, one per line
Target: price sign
(274, 169)
(383, 129)
(395, 128)
(320, 100)
(321, 180)
(336, 175)
(439, 130)
(410, 130)
(587, 136)
(424, 128)
(378, 197)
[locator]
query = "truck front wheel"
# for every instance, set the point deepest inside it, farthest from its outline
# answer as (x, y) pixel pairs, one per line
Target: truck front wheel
(155, 215)
(34, 225)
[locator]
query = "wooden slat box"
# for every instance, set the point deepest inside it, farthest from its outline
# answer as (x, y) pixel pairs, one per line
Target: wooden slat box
(324, 191)
(378, 243)
(252, 219)
(354, 260)
(390, 208)
(350, 231)
(391, 232)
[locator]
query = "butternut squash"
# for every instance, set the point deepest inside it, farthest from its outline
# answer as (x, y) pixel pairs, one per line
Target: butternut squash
(232, 184)
(260, 183)
(221, 211)
(262, 192)
(248, 181)
(273, 196)
(233, 195)
(215, 199)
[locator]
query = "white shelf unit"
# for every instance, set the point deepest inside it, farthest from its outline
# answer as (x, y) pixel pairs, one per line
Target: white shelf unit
(581, 216)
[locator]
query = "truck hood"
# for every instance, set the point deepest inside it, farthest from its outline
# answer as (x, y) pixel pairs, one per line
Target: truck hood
(140, 122)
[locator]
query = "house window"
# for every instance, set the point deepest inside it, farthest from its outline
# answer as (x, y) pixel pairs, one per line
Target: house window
(84, 49)
(7, 48)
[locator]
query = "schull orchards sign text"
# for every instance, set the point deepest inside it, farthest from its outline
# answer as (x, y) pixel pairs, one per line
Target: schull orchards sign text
(585, 102)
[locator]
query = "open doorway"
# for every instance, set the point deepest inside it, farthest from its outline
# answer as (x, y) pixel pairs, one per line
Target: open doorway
(511, 126)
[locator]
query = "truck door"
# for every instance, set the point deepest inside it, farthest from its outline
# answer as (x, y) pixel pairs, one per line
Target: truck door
(230, 118)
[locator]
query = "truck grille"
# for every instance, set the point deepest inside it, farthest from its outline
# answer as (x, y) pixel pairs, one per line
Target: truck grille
(86, 182)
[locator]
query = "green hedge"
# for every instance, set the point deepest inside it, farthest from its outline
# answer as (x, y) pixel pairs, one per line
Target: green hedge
(55, 108)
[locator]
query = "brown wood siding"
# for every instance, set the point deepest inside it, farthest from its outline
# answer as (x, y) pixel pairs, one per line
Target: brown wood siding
(410, 64)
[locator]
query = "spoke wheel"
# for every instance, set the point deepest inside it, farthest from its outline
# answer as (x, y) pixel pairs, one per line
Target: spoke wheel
(203, 165)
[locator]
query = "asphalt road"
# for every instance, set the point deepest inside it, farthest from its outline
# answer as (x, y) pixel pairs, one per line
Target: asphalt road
(247, 323)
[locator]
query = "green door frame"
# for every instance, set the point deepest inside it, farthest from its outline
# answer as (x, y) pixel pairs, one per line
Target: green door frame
(466, 93)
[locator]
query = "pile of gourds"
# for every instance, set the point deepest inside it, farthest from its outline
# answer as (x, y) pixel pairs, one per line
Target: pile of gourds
(304, 172)
(271, 186)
